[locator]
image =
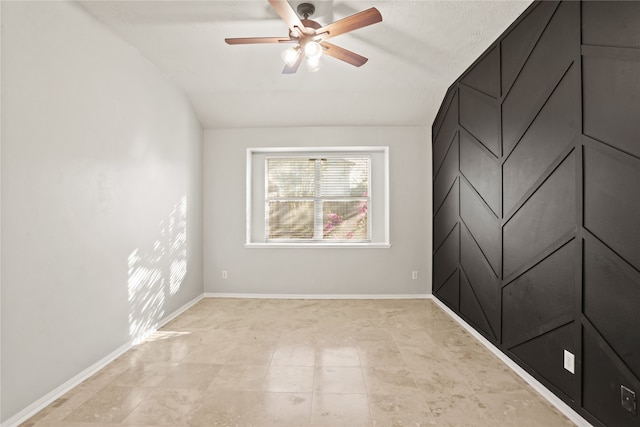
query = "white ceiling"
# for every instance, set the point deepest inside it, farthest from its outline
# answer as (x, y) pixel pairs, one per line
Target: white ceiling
(415, 53)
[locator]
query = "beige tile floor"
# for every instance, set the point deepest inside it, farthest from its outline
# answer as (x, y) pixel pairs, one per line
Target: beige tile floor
(244, 362)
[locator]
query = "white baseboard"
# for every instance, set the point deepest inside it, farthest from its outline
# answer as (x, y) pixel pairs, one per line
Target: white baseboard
(56, 393)
(537, 385)
(316, 296)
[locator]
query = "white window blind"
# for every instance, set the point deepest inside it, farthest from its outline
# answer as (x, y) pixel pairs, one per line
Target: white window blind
(317, 198)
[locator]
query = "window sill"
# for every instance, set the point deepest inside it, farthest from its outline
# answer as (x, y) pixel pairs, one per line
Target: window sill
(317, 245)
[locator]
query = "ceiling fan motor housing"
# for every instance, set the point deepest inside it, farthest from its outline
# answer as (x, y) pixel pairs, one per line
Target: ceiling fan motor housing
(306, 10)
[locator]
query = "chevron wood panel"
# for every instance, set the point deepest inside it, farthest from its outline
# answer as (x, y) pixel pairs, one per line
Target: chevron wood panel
(612, 286)
(526, 312)
(545, 220)
(472, 310)
(516, 45)
(612, 97)
(482, 170)
(447, 174)
(447, 258)
(611, 202)
(550, 133)
(545, 162)
(549, 60)
(484, 284)
(479, 117)
(483, 225)
(485, 75)
(446, 217)
(443, 137)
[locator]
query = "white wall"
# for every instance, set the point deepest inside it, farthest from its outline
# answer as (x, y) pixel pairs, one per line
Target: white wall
(317, 270)
(101, 197)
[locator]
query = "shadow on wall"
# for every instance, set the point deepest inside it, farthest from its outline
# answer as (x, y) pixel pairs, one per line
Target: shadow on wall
(156, 273)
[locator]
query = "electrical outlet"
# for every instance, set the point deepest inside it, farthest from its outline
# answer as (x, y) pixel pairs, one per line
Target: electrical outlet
(414, 275)
(224, 274)
(569, 361)
(628, 399)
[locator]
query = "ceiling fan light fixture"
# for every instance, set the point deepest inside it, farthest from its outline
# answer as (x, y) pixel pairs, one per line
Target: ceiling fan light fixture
(313, 64)
(290, 56)
(312, 50)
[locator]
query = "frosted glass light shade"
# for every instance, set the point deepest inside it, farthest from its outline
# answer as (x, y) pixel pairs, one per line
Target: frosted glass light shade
(313, 50)
(290, 56)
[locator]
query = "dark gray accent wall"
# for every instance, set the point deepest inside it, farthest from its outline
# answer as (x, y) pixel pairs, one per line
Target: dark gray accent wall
(536, 194)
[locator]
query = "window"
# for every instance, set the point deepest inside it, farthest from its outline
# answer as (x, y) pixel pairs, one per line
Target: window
(317, 197)
(311, 198)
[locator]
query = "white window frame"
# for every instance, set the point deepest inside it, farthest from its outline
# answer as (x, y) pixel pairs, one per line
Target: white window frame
(380, 239)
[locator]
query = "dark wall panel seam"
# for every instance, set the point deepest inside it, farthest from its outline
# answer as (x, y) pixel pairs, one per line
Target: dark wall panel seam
(484, 256)
(579, 251)
(514, 276)
(453, 183)
(533, 119)
(579, 261)
(625, 53)
(531, 49)
(479, 92)
(617, 361)
(484, 202)
(539, 182)
(541, 256)
(540, 331)
(500, 78)
(446, 111)
(439, 119)
(475, 296)
(513, 25)
(446, 280)
(480, 144)
(611, 151)
(455, 134)
(535, 110)
(445, 239)
(627, 268)
(466, 131)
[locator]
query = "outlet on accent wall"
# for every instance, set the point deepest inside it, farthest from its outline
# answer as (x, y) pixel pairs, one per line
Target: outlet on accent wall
(628, 397)
(569, 361)
(224, 274)
(414, 275)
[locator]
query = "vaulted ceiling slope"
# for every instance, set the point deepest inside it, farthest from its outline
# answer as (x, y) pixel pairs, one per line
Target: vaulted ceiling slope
(415, 53)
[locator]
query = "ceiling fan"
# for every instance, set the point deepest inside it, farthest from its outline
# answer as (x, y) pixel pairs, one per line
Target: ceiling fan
(310, 37)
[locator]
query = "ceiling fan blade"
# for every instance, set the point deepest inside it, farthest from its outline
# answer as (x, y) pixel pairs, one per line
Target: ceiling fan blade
(293, 68)
(343, 54)
(256, 40)
(350, 23)
(287, 14)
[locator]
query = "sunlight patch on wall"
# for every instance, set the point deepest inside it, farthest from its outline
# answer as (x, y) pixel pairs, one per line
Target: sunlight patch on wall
(157, 273)
(177, 231)
(146, 294)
